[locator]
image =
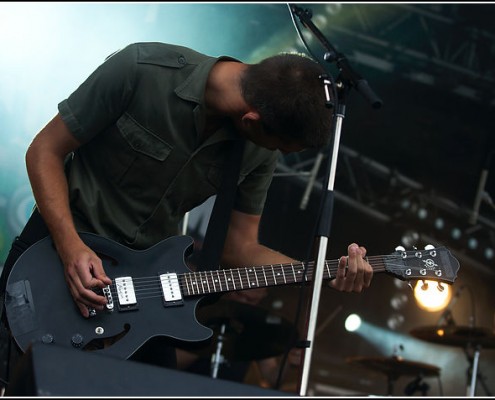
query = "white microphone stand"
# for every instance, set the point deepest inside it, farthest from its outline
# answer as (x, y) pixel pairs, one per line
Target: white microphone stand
(347, 79)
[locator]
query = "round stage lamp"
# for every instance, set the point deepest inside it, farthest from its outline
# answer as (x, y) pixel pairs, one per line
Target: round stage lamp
(352, 322)
(431, 295)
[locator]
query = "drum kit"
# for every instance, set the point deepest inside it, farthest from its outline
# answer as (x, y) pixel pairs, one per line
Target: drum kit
(394, 367)
(242, 332)
(451, 335)
(247, 333)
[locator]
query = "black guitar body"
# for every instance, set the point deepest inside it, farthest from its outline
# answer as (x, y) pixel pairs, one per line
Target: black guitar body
(40, 308)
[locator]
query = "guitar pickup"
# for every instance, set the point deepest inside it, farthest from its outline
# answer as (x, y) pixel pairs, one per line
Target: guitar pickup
(172, 295)
(126, 294)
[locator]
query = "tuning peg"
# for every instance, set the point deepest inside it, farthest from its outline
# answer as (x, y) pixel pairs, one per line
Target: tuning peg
(440, 287)
(424, 286)
(410, 285)
(400, 248)
(429, 247)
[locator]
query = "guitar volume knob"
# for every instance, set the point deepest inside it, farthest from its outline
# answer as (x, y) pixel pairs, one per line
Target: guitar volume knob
(47, 338)
(77, 340)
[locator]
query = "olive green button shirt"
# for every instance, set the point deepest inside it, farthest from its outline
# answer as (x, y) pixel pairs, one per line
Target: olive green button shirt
(142, 164)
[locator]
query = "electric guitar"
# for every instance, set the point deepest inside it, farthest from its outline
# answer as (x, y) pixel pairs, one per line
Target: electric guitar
(154, 293)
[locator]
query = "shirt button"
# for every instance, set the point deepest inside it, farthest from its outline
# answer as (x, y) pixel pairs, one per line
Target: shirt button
(182, 60)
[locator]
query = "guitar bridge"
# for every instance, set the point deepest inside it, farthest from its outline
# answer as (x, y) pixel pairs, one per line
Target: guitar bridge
(172, 295)
(108, 294)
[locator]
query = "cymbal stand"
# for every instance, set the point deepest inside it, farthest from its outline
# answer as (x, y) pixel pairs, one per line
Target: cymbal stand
(472, 371)
(417, 385)
(217, 358)
(391, 379)
(473, 374)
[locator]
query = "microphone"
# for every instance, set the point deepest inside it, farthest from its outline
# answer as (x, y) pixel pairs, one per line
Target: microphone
(299, 12)
(446, 317)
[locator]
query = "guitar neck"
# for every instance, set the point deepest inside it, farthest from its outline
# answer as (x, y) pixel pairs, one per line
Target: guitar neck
(228, 280)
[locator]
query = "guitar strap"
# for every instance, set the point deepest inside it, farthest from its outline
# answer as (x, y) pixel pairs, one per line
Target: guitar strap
(216, 232)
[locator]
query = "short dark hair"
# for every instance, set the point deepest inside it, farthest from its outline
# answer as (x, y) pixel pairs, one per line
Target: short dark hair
(288, 93)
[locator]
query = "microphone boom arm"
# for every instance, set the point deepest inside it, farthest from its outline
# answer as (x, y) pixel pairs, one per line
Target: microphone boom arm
(347, 73)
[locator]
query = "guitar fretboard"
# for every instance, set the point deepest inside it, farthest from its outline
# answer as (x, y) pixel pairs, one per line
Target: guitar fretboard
(224, 280)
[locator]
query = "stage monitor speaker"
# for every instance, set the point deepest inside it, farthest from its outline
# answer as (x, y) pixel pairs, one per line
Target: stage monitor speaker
(50, 370)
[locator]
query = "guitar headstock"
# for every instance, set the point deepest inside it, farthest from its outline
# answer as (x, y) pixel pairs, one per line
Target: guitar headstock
(432, 263)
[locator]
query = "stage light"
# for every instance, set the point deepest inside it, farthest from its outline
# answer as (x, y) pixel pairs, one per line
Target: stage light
(410, 238)
(422, 213)
(439, 223)
(489, 253)
(398, 301)
(320, 20)
(431, 295)
(405, 204)
(472, 243)
(456, 233)
(395, 321)
(352, 323)
(334, 8)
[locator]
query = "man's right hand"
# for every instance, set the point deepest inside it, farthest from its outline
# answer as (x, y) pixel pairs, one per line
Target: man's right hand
(84, 271)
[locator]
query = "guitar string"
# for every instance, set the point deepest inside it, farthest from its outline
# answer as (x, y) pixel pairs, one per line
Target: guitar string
(233, 279)
(205, 282)
(234, 272)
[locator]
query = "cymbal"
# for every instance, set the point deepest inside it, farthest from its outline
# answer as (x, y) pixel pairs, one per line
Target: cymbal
(460, 336)
(394, 367)
(250, 332)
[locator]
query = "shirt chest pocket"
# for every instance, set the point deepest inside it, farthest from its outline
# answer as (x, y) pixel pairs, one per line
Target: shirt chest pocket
(143, 140)
(144, 159)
